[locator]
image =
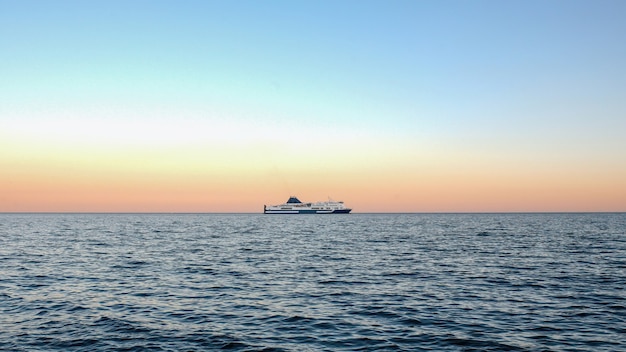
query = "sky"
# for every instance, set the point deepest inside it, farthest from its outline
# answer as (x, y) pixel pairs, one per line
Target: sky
(390, 106)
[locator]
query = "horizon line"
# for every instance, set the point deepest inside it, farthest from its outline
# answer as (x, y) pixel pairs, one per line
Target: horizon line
(353, 213)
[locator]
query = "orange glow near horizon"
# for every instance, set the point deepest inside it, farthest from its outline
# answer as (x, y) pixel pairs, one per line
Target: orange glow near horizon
(238, 180)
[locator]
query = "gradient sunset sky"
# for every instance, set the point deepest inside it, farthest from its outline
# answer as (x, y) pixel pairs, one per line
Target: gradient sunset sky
(390, 106)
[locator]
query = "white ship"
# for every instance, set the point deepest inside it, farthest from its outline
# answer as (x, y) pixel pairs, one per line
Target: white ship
(295, 206)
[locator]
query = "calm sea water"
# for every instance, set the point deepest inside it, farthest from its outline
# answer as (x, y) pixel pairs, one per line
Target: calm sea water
(358, 282)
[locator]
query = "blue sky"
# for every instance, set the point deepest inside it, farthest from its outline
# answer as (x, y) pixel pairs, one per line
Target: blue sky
(522, 81)
(405, 58)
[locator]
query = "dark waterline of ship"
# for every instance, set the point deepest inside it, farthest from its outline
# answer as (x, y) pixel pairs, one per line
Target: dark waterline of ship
(360, 282)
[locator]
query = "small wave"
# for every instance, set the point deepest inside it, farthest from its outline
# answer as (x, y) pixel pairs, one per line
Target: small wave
(479, 345)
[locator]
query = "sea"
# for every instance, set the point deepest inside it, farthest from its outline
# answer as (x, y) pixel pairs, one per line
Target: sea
(356, 282)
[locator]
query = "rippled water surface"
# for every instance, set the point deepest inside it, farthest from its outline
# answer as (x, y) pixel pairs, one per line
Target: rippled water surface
(358, 282)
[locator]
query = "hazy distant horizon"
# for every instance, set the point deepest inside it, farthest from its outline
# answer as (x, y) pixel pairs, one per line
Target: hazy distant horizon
(304, 215)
